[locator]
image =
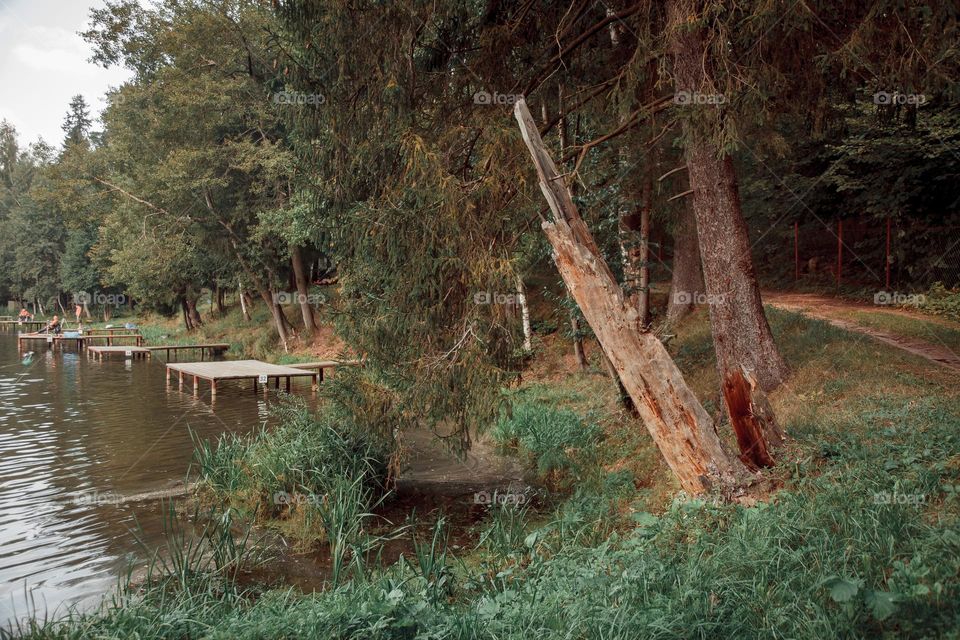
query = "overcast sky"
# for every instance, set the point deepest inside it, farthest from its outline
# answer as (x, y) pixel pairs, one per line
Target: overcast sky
(43, 63)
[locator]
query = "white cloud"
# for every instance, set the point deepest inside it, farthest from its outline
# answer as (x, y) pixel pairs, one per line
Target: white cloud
(44, 62)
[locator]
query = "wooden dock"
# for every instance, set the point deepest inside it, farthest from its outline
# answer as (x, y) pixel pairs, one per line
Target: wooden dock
(26, 324)
(127, 351)
(215, 348)
(58, 339)
(214, 372)
(111, 331)
(321, 365)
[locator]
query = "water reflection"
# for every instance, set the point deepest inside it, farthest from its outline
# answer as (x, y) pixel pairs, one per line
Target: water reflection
(72, 428)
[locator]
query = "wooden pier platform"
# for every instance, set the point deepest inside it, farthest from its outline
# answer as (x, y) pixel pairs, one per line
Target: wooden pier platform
(215, 348)
(26, 324)
(130, 352)
(214, 372)
(58, 339)
(322, 365)
(111, 331)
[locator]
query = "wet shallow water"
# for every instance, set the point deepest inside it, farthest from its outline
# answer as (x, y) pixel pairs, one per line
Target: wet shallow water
(83, 445)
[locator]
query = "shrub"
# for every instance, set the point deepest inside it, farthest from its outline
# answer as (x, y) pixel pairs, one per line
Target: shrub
(554, 438)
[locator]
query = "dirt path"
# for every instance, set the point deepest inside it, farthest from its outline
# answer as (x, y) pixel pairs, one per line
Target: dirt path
(827, 309)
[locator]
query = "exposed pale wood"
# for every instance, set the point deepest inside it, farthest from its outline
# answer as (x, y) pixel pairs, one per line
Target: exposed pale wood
(680, 426)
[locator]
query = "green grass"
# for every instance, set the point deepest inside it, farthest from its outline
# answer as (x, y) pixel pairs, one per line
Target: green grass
(316, 476)
(862, 538)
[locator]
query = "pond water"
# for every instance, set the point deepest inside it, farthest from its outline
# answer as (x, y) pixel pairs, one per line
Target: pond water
(85, 449)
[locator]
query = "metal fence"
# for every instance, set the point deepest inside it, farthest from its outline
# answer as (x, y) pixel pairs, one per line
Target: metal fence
(862, 252)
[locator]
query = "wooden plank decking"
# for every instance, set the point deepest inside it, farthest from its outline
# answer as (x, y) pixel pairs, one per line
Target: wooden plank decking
(131, 352)
(255, 370)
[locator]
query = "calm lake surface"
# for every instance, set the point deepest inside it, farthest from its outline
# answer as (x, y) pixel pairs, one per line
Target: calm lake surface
(82, 445)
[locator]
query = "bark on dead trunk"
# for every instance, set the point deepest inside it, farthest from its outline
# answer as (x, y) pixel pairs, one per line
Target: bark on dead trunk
(303, 291)
(741, 333)
(686, 285)
(679, 425)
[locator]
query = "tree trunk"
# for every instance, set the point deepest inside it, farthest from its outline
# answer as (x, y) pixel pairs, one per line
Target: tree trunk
(634, 236)
(741, 334)
(625, 398)
(524, 316)
(579, 353)
(644, 254)
(195, 319)
(681, 428)
(279, 320)
(303, 291)
(686, 285)
(187, 323)
(243, 301)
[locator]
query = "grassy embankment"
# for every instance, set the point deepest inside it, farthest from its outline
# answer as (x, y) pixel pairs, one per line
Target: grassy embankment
(862, 539)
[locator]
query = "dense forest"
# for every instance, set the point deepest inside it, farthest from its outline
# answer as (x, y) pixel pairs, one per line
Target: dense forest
(445, 183)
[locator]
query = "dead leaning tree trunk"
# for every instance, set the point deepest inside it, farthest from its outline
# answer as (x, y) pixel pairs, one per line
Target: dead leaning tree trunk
(681, 428)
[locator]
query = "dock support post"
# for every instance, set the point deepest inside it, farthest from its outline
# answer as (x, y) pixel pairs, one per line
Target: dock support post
(213, 388)
(168, 377)
(288, 384)
(196, 386)
(315, 382)
(180, 376)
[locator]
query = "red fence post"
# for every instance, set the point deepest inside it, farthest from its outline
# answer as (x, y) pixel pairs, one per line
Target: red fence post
(887, 254)
(839, 250)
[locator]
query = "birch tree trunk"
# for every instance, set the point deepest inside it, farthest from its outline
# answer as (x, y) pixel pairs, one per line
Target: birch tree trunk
(243, 301)
(524, 316)
(678, 424)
